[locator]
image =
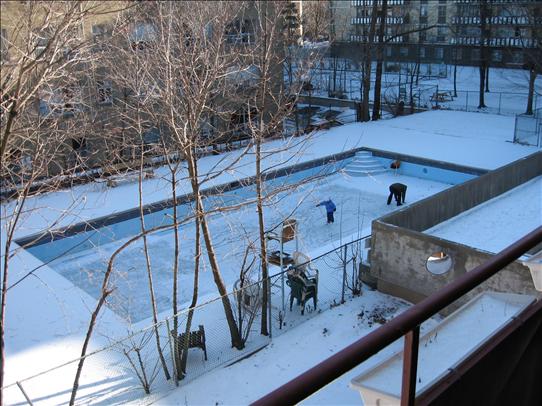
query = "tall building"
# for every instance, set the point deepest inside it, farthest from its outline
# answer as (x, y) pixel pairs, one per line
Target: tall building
(436, 31)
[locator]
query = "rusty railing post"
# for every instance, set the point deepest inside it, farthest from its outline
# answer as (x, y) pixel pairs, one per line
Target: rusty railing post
(410, 367)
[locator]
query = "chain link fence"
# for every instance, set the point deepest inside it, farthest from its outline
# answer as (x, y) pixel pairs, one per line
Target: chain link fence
(504, 103)
(528, 129)
(133, 370)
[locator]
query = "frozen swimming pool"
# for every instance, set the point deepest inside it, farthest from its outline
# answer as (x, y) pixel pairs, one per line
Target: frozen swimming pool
(81, 257)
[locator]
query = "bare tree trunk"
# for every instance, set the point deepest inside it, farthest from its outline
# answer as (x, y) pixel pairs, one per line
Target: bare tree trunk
(200, 210)
(368, 64)
(263, 248)
(379, 62)
(487, 79)
(197, 255)
(149, 272)
(455, 78)
(530, 97)
(484, 37)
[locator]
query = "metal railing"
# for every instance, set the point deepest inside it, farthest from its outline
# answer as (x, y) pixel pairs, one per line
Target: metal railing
(406, 324)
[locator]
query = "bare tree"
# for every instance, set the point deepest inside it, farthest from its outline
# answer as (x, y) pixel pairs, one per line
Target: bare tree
(316, 17)
(43, 56)
(485, 33)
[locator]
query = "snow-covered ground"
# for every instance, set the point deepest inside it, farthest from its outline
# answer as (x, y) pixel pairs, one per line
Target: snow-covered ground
(498, 222)
(358, 199)
(507, 95)
(37, 340)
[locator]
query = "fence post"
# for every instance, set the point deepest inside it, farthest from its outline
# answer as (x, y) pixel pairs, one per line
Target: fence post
(467, 102)
(500, 97)
(344, 272)
(269, 307)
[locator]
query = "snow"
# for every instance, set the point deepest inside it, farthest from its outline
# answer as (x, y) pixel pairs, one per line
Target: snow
(445, 345)
(47, 314)
(357, 198)
(507, 95)
(498, 222)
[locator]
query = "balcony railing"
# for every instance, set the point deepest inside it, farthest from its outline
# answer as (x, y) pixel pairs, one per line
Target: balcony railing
(359, 3)
(367, 20)
(407, 324)
(497, 20)
(365, 38)
(497, 42)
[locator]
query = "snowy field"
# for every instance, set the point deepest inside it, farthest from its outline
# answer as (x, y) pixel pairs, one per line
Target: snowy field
(507, 95)
(48, 329)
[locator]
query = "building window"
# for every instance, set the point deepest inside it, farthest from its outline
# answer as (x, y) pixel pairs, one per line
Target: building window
(423, 11)
(142, 36)
(475, 54)
(423, 14)
(388, 51)
(41, 42)
(98, 31)
(104, 92)
(457, 54)
(4, 45)
(423, 36)
(439, 53)
(422, 52)
(64, 101)
(517, 57)
(496, 55)
(442, 14)
(239, 32)
(79, 144)
(403, 51)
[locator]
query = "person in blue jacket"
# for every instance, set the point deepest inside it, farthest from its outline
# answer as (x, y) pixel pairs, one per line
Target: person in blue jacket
(330, 209)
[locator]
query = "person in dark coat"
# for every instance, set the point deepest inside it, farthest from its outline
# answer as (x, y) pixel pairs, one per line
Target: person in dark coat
(397, 190)
(330, 209)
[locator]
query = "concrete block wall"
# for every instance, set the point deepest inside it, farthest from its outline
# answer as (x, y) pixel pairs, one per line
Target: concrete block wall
(398, 261)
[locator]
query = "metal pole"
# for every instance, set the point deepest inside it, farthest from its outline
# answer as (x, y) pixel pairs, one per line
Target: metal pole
(24, 393)
(467, 102)
(500, 98)
(282, 269)
(410, 367)
(344, 272)
(269, 306)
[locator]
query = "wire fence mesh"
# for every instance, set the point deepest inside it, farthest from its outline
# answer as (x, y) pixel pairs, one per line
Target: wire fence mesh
(504, 103)
(528, 129)
(149, 363)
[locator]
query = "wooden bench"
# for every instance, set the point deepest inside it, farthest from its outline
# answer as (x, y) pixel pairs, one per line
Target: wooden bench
(302, 288)
(196, 339)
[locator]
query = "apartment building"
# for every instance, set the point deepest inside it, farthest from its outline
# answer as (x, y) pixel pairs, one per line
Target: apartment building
(449, 31)
(88, 104)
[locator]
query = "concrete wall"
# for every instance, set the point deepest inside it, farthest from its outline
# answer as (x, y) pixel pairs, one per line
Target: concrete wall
(399, 248)
(398, 261)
